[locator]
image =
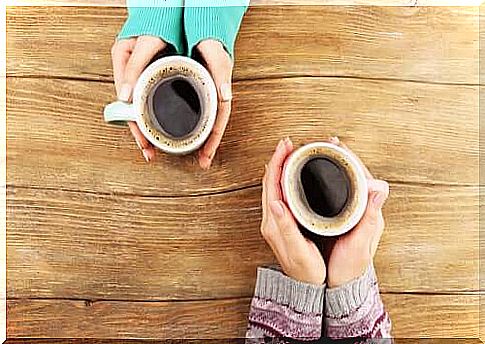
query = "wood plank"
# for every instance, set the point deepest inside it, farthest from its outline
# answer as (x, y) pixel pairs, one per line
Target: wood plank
(437, 44)
(403, 131)
(148, 341)
(412, 315)
(122, 3)
(427, 316)
(216, 341)
(58, 319)
(77, 245)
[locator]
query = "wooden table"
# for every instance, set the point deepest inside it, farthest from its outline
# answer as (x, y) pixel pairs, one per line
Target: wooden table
(102, 245)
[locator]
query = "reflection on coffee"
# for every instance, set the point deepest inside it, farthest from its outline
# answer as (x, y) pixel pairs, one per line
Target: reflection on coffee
(326, 186)
(175, 105)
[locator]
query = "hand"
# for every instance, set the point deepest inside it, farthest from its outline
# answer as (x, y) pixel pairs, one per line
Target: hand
(299, 257)
(130, 57)
(350, 255)
(220, 66)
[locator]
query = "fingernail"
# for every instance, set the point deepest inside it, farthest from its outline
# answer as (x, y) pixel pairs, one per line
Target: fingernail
(378, 199)
(146, 155)
(125, 93)
(335, 140)
(280, 144)
(226, 92)
(277, 208)
(288, 142)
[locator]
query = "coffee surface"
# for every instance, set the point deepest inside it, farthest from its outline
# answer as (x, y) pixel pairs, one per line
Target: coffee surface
(176, 106)
(326, 186)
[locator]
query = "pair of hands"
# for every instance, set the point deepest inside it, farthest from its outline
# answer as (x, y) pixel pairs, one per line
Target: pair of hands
(131, 56)
(347, 257)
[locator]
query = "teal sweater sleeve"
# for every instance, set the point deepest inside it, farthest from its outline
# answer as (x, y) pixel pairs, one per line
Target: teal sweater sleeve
(213, 19)
(157, 18)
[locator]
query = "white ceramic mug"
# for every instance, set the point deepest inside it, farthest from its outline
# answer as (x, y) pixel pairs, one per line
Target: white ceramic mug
(168, 67)
(295, 197)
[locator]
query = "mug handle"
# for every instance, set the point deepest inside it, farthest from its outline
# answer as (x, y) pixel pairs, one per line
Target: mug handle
(119, 113)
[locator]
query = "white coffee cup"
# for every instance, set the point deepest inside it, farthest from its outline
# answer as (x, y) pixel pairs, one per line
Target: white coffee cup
(296, 200)
(139, 111)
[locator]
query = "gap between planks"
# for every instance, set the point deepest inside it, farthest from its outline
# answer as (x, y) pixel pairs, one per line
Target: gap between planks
(108, 79)
(90, 302)
(214, 193)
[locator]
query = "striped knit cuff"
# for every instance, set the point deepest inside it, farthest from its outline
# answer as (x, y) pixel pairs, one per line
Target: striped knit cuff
(299, 296)
(163, 21)
(345, 299)
(211, 22)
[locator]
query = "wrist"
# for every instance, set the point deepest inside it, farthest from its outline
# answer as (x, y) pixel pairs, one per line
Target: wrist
(209, 44)
(316, 277)
(343, 276)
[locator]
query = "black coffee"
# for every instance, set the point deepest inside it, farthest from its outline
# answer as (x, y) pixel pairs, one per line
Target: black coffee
(176, 106)
(326, 186)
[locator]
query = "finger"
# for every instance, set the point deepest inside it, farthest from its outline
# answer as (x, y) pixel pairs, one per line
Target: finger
(379, 186)
(371, 223)
(120, 54)
(263, 192)
(146, 147)
(287, 242)
(145, 49)
(275, 167)
(336, 141)
(208, 151)
(287, 228)
(220, 66)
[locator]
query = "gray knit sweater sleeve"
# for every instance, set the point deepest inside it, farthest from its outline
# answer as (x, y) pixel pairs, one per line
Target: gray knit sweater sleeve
(284, 308)
(355, 310)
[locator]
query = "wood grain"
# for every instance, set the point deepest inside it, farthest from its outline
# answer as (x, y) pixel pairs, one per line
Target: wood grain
(412, 315)
(426, 316)
(431, 44)
(122, 3)
(76, 245)
(403, 131)
(58, 319)
(102, 245)
(217, 341)
(156, 341)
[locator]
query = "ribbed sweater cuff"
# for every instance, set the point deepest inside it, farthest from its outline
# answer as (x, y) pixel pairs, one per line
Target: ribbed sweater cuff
(345, 299)
(163, 21)
(218, 23)
(302, 297)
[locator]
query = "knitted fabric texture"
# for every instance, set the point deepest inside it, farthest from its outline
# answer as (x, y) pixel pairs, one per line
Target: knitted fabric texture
(283, 309)
(184, 24)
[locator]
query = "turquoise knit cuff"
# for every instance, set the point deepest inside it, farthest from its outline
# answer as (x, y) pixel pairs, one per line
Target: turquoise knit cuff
(164, 22)
(218, 23)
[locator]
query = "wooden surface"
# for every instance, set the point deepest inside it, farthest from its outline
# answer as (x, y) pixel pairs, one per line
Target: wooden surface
(101, 245)
(218, 341)
(412, 316)
(432, 44)
(154, 256)
(122, 3)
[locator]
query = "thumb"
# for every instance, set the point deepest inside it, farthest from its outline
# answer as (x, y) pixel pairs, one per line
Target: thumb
(145, 49)
(378, 193)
